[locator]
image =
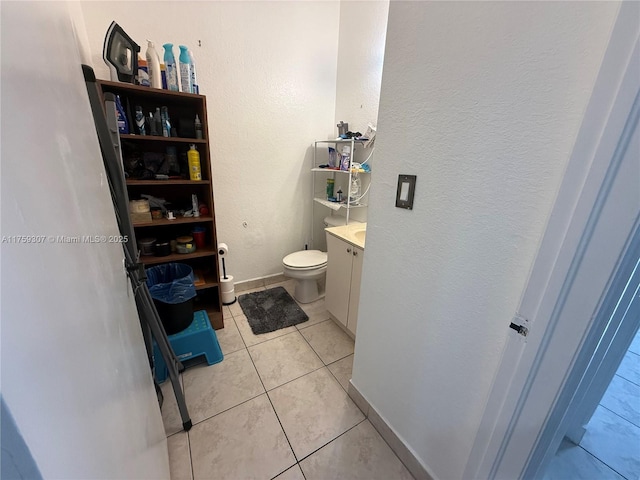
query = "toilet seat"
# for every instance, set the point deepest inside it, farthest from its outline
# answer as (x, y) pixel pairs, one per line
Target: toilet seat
(305, 260)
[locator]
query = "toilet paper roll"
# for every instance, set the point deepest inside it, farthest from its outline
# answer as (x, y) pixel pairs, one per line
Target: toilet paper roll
(226, 284)
(223, 249)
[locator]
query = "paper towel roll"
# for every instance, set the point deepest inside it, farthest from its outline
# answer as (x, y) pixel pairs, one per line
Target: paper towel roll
(223, 249)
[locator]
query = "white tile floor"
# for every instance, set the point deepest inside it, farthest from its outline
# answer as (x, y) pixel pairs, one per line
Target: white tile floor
(276, 406)
(611, 447)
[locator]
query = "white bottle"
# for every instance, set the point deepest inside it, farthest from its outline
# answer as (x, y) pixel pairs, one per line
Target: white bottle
(195, 88)
(153, 65)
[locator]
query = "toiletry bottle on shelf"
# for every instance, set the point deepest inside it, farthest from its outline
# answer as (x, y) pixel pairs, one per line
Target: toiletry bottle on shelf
(194, 163)
(143, 73)
(194, 78)
(166, 122)
(198, 125)
(330, 184)
(157, 122)
(185, 69)
(345, 159)
(153, 65)
(123, 123)
(170, 67)
(152, 125)
(140, 121)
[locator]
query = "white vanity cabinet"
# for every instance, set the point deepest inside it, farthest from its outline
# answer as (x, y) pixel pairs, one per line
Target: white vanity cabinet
(344, 272)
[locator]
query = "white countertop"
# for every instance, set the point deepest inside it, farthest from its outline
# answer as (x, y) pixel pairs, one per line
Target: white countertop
(349, 233)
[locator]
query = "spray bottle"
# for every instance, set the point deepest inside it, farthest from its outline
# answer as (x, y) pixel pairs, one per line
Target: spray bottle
(170, 66)
(185, 69)
(195, 88)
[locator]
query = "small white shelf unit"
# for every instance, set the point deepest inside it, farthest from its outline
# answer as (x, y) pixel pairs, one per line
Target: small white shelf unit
(342, 178)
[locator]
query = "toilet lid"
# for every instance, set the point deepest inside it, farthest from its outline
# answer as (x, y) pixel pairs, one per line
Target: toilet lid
(305, 259)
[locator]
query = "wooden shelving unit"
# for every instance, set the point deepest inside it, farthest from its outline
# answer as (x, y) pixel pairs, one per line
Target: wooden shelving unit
(182, 108)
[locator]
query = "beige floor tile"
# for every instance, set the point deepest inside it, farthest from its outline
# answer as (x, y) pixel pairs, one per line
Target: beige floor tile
(212, 389)
(329, 341)
(245, 442)
(229, 337)
(170, 413)
(342, 371)
(289, 286)
(179, 457)
(360, 453)
(226, 313)
(316, 311)
(283, 359)
(314, 410)
(294, 473)
(251, 339)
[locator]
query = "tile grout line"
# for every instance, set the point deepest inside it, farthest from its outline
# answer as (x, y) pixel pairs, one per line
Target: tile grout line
(603, 462)
(620, 416)
(331, 441)
(273, 408)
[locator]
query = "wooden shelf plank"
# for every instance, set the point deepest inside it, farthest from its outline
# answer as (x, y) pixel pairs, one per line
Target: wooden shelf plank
(164, 222)
(154, 138)
(147, 183)
(176, 257)
(152, 92)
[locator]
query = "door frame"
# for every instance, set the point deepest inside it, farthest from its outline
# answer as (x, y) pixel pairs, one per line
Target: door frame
(535, 368)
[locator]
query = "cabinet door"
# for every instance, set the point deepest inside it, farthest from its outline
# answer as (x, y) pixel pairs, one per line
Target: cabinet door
(354, 298)
(338, 278)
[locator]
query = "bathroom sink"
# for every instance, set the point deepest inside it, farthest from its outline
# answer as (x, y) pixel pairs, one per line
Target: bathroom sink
(360, 235)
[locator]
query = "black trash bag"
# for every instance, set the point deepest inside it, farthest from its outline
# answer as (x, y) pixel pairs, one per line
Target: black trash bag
(172, 290)
(171, 282)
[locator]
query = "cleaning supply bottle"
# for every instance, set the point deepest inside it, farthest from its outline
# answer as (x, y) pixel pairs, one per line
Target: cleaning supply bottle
(193, 158)
(194, 78)
(185, 69)
(140, 121)
(153, 65)
(170, 67)
(121, 118)
(198, 125)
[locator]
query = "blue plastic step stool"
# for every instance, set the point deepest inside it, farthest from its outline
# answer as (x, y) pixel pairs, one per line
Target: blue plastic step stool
(195, 340)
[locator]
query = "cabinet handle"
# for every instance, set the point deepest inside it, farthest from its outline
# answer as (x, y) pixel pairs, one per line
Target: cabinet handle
(348, 250)
(355, 253)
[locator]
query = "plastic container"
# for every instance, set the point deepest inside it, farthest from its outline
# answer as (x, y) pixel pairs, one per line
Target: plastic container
(330, 184)
(172, 290)
(153, 66)
(185, 69)
(198, 126)
(143, 73)
(147, 246)
(121, 118)
(193, 157)
(185, 244)
(199, 236)
(195, 88)
(162, 248)
(170, 67)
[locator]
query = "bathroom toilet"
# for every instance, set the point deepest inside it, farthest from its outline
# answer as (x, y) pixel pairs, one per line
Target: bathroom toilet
(306, 267)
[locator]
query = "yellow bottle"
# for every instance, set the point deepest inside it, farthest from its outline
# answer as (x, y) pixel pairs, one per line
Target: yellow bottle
(193, 158)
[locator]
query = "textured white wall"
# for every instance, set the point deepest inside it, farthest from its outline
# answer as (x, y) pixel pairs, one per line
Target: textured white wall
(75, 374)
(482, 101)
(363, 26)
(268, 70)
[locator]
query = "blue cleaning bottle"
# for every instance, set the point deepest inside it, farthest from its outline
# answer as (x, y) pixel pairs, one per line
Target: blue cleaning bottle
(170, 67)
(185, 69)
(123, 123)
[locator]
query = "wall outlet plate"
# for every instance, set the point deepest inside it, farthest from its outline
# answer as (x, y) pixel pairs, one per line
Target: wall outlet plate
(406, 190)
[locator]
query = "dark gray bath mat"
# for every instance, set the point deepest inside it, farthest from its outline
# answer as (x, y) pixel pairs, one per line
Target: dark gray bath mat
(271, 310)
